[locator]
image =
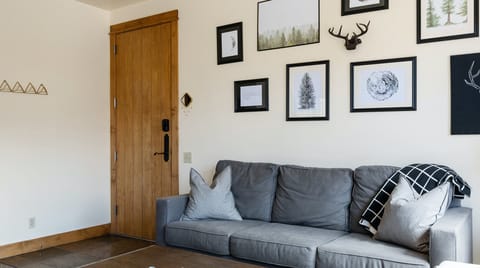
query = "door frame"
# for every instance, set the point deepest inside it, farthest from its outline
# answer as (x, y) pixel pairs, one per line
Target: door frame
(167, 17)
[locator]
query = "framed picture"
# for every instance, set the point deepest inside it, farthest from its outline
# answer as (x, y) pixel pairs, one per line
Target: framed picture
(350, 7)
(251, 95)
(465, 98)
(441, 20)
(286, 23)
(230, 43)
(308, 91)
(383, 85)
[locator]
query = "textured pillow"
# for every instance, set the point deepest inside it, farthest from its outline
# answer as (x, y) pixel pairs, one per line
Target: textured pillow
(408, 216)
(214, 202)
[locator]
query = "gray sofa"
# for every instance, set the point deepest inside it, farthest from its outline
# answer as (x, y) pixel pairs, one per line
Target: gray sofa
(308, 217)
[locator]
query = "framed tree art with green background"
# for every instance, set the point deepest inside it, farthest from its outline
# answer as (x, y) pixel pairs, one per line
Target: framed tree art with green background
(287, 23)
(440, 20)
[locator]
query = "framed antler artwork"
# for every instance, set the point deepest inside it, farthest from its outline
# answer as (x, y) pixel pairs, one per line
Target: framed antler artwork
(441, 20)
(465, 94)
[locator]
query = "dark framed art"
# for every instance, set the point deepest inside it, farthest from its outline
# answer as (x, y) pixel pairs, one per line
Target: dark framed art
(251, 95)
(308, 91)
(383, 85)
(282, 23)
(465, 94)
(230, 43)
(441, 20)
(350, 7)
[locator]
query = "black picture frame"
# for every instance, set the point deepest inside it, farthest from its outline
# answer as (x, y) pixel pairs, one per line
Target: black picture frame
(465, 94)
(315, 107)
(347, 10)
(427, 33)
(312, 35)
(377, 86)
(251, 95)
(231, 35)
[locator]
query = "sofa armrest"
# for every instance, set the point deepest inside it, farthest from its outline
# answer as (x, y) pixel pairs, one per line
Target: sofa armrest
(169, 209)
(451, 237)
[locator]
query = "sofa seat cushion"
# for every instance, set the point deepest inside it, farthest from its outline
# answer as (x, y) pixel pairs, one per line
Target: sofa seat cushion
(315, 197)
(206, 235)
(281, 244)
(361, 251)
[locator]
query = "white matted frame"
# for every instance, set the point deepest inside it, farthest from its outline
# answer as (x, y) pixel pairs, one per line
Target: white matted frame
(442, 20)
(383, 85)
(308, 91)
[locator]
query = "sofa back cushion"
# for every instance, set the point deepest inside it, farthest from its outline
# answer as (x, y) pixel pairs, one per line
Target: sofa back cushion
(253, 187)
(366, 183)
(316, 197)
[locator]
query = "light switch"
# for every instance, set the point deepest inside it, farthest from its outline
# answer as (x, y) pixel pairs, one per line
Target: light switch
(187, 157)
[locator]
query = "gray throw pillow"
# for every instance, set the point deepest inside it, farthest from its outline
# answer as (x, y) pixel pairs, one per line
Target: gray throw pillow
(214, 202)
(408, 216)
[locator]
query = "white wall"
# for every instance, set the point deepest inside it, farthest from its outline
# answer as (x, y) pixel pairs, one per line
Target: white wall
(212, 131)
(54, 150)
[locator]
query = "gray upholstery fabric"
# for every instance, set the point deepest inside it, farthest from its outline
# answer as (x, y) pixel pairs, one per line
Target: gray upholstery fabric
(451, 237)
(212, 236)
(408, 216)
(317, 197)
(169, 209)
(361, 251)
(211, 203)
(281, 244)
(367, 181)
(253, 187)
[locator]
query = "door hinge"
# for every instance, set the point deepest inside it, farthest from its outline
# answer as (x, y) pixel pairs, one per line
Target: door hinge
(115, 156)
(116, 210)
(114, 103)
(115, 49)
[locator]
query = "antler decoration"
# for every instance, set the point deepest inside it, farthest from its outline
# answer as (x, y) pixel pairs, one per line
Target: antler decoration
(472, 78)
(352, 42)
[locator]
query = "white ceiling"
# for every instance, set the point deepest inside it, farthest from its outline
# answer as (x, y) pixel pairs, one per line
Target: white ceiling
(110, 4)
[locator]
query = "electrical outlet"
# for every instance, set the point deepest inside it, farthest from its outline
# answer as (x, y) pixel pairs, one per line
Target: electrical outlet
(187, 157)
(31, 223)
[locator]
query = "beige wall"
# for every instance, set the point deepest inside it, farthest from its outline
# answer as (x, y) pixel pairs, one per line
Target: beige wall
(211, 131)
(54, 150)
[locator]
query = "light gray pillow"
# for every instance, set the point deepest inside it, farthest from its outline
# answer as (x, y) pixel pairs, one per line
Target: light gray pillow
(408, 216)
(214, 202)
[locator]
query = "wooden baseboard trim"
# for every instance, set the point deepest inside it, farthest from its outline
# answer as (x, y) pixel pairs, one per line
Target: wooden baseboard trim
(53, 240)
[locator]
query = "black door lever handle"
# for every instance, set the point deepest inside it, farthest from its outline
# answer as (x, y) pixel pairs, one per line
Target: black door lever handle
(166, 148)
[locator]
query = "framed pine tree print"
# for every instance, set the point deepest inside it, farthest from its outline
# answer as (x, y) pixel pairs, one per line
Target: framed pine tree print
(442, 20)
(308, 91)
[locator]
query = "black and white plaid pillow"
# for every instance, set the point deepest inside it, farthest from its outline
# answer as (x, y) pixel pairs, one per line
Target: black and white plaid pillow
(423, 178)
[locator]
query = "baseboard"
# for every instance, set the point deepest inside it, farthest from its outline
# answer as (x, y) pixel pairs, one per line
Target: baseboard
(53, 240)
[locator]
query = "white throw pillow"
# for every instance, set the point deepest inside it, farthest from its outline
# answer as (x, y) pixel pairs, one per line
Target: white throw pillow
(214, 202)
(408, 216)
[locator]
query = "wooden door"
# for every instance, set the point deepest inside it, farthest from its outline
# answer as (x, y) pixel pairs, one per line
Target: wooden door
(144, 121)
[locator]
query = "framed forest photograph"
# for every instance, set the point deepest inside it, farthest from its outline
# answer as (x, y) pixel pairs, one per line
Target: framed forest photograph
(441, 20)
(383, 85)
(287, 23)
(308, 91)
(465, 94)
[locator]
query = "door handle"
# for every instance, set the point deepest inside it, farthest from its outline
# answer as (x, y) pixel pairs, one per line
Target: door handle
(166, 148)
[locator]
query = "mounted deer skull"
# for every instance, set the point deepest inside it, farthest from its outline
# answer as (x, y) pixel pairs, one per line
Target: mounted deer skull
(472, 77)
(352, 42)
